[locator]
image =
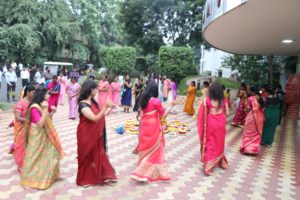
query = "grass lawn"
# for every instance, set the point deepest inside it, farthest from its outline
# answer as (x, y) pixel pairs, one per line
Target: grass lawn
(228, 83)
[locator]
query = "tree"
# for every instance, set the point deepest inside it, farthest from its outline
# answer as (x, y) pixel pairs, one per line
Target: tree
(177, 62)
(254, 69)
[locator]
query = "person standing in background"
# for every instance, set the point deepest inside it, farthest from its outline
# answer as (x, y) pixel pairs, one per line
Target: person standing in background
(166, 86)
(25, 76)
(115, 91)
(38, 77)
(63, 86)
(11, 80)
(48, 76)
(73, 89)
(32, 73)
(74, 73)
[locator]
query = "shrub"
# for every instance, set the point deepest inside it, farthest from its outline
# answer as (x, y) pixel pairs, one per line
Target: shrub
(177, 62)
(121, 60)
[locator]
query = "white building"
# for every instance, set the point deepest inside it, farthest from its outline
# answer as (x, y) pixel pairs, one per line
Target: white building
(212, 62)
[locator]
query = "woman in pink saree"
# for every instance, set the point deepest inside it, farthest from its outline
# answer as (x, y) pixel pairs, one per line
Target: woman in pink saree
(254, 124)
(73, 93)
(103, 91)
(63, 87)
(211, 125)
(152, 166)
(115, 91)
(54, 90)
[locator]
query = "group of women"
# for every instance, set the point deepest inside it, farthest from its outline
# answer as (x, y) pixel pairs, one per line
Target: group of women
(259, 117)
(37, 148)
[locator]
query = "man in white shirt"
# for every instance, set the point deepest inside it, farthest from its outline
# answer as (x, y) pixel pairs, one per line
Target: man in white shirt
(38, 77)
(25, 76)
(11, 80)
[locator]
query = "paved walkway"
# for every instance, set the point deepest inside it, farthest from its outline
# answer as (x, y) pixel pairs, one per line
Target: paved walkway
(274, 174)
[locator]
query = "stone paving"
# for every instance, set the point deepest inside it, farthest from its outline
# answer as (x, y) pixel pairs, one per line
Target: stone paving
(274, 174)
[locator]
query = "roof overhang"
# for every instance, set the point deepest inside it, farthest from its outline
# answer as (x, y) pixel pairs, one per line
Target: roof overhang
(257, 27)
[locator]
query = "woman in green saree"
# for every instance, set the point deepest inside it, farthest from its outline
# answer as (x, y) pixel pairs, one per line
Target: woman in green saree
(272, 113)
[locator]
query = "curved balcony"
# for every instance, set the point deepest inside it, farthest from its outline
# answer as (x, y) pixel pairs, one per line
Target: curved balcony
(253, 26)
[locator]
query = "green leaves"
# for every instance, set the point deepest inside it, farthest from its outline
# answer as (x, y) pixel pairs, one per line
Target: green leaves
(119, 60)
(177, 62)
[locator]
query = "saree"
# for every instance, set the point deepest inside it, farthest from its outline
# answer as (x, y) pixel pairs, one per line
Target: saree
(212, 131)
(272, 113)
(53, 99)
(93, 164)
(239, 116)
(63, 87)
(189, 104)
(103, 96)
(18, 145)
(43, 153)
(73, 89)
(126, 96)
(152, 166)
(116, 89)
(254, 123)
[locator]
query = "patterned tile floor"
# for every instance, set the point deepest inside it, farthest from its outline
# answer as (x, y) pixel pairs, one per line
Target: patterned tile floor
(274, 174)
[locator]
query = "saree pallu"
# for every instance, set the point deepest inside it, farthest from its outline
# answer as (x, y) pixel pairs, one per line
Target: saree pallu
(152, 166)
(239, 116)
(189, 104)
(254, 123)
(19, 146)
(43, 154)
(93, 164)
(272, 115)
(212, 132)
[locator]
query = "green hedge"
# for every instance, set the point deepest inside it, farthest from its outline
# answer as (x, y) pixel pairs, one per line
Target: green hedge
(103, 56)
(177, 62)
(119, 60)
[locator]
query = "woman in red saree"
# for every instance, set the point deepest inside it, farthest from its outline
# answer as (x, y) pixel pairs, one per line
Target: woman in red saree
(211, 128)
(93, 164)
(254, 124)
(152, 166)
(239, 116)
(54, 90)
(20, 117)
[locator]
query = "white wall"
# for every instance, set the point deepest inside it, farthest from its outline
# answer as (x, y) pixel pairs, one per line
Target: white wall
(213, 60)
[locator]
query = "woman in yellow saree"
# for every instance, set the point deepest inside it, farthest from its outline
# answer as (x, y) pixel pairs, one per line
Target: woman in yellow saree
(43, 147)
(191, 95)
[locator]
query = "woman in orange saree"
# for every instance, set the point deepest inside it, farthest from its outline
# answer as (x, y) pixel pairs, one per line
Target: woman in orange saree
(211, 125)
(93, 164)
(152, 166)
(191, 95)
(43, 147)
(254, 124)
(20, 117)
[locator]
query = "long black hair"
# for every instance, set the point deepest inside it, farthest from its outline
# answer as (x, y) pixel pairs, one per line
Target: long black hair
(28, 89)
(255, 90)
(39, 96)
(86, 90)
(216, 93)
(150, 91)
